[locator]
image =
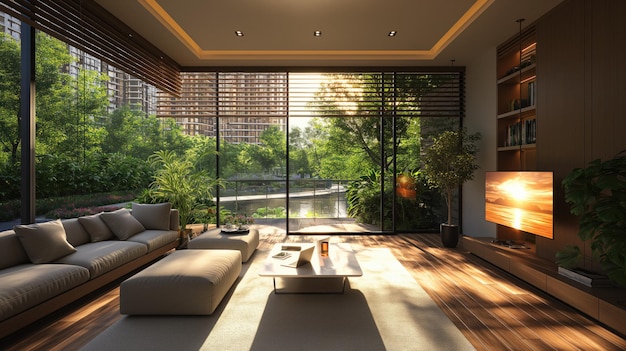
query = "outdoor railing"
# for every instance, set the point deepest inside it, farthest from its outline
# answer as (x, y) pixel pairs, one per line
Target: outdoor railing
(308, 198)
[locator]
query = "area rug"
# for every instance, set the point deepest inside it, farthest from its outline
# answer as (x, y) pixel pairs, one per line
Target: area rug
(385, 309)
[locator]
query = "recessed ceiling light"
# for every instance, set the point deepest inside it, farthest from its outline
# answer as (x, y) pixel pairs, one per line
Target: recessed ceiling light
(317, 33)
(239, 33)
(392, 33)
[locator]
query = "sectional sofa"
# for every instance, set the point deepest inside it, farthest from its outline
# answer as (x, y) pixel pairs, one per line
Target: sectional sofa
(45, 266)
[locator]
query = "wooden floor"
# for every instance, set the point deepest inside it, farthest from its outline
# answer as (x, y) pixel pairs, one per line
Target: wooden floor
(494, 310)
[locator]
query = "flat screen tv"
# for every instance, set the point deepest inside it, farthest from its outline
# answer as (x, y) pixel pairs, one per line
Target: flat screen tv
(521, 200)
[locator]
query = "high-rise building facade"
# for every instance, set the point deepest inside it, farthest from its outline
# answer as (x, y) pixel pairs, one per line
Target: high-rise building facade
(245, 104)
(122, 88)
(10, 25)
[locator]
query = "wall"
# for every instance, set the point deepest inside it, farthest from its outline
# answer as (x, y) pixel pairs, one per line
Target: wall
(480, 112)
(581, 97)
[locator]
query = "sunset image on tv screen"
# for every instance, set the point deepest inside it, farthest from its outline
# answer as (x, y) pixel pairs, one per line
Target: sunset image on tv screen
(520, 200)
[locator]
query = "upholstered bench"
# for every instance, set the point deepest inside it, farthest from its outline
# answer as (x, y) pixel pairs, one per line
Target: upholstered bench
(246, 243)
(186, 282)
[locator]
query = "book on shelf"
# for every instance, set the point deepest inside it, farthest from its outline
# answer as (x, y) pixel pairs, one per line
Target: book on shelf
(521, 133)
(585, 278)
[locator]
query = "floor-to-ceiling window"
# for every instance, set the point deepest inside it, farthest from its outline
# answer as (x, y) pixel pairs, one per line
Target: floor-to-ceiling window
(307, 151)
(316, 152)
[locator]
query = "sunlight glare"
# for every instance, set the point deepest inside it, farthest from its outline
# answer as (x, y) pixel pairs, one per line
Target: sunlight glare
(515, 189)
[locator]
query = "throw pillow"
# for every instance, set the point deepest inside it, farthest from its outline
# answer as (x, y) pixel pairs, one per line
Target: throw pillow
(97, 229)
(122, 223)
(44, 242)
(153, 216)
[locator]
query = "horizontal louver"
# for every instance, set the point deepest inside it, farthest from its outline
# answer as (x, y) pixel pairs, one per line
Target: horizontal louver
(88, 27)
(241, 98)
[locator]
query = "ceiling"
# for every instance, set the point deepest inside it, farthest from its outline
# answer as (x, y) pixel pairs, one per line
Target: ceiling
(201, 33)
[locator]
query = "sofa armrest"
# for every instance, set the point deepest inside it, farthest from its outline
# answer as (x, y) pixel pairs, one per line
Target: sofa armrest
(174, 219)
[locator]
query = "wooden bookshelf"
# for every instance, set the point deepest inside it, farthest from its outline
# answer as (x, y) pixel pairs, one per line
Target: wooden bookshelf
(516, 115)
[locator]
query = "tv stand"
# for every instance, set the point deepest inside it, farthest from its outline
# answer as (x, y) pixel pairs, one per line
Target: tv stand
(604, 304)
(511, 244)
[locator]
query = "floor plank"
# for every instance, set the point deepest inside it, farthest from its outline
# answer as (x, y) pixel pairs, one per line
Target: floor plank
(493, 309)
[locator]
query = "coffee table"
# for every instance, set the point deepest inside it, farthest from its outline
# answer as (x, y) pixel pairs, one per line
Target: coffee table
(326, 274)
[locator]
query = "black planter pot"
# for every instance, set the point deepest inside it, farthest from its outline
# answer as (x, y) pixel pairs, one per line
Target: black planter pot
(449, 235)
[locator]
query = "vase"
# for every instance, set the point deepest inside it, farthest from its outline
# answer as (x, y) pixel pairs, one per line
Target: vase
(184, 235)
(449, 235)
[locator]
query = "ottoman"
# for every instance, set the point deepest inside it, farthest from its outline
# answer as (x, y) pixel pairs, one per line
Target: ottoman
(214, 239)
(186, 282)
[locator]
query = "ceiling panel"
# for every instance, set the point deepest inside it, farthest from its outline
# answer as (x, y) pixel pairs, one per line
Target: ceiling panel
(354, 32)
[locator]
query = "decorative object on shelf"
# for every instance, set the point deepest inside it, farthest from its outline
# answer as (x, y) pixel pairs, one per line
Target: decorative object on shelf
(597, 195)
(585, 277)
(448, 163)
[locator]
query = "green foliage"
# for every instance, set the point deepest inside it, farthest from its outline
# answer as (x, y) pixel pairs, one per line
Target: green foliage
(329, 154)
(64, 206)
(202, 154)
(569, 256)
(74, 212)
(178, 182)
(300, 153)
(270, 212)
(10, 178)
(597, 195)
(59, 175)
(451, 161)
(132, 133)
(9, 95)
(52, 92)
(421, 212)
(363, 196)
(354, 104)
(271, 153)
(68, 114)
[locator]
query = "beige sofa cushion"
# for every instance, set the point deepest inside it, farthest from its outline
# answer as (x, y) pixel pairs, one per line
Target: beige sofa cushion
(122, 223)
(97, 229)
(11, 250)
(203, 277)
(153, 216)
(44, 242)
(102, 257)
(75, 232)
(28, 285)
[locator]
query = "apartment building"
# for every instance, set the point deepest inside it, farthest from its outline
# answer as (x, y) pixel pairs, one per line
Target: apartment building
(247, 104)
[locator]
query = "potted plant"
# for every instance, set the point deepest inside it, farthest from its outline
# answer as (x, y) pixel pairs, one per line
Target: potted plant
(237, 222)
(448, 163)
(177, 181)
(597, 195)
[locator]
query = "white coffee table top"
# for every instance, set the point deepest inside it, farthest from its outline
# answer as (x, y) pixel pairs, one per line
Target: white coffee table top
(340, 262)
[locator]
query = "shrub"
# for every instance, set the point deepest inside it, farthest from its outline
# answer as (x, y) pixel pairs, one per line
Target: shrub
(418, 212)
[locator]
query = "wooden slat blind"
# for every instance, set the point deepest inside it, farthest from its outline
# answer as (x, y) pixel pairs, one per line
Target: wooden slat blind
(252, 97)
(86, 25)
(372, 94)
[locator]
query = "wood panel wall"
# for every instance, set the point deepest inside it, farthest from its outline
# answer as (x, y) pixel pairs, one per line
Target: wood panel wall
(581, 98)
